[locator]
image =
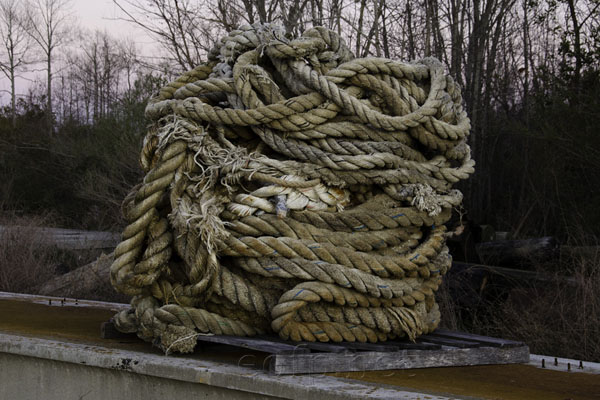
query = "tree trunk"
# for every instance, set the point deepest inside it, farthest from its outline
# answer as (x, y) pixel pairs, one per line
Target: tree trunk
(361, 15)
(13, 98)
(577, 49)
(49, 116)
(455, 41)
(386, 45)
(427, 29)
(526, 60)
(411, 39)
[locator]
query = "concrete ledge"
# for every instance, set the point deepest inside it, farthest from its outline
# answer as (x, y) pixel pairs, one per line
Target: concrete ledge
(29, 378)
(564, 364)
(34, 368)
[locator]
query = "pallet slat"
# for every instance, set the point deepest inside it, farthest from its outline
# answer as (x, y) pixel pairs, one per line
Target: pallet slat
(317, 346)
(326, 347)
(255, 344)
(461, 344)
(403, 359)
(383, 347)
(489, 341)
(418, 345)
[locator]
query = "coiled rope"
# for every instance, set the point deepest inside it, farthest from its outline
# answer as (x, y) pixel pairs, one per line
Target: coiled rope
(291, 187)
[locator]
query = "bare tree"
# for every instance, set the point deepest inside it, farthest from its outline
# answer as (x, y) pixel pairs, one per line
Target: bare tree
(578, 34)
(16, 44)
(176, 24)
(95, 77)
(48, 27)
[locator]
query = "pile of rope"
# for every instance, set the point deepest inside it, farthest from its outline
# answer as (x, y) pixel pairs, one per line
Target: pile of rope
(293, 188)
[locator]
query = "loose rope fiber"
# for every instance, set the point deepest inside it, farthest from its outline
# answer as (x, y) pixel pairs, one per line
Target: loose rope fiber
(295, 189)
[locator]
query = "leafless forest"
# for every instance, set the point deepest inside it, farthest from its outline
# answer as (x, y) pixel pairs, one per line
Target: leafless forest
(529, 71)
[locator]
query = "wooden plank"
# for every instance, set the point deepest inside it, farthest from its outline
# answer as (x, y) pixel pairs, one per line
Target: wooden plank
(486, 340)
(356, 346)
(327, 347)
(379, 347)
(318, 346)
(403, 359)
(255, 344)
(461, 344)
(418, 345)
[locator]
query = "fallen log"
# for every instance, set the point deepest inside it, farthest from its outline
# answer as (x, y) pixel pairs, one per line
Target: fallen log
(518, 252)
(67, 239)
(90, 281)
(522, 276)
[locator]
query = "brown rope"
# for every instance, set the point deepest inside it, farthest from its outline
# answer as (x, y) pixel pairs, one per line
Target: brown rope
(291, 187)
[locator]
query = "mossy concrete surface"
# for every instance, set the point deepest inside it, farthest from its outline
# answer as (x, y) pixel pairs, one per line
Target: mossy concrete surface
(507, 382)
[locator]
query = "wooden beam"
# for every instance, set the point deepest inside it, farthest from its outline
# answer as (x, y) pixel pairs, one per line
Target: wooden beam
(403, 359)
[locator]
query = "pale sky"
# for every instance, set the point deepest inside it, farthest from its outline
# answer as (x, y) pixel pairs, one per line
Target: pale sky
(103, 15)
(91, 15)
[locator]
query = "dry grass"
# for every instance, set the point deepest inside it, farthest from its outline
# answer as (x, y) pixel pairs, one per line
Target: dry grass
(558, 318)
(24, 264)
(555, 317)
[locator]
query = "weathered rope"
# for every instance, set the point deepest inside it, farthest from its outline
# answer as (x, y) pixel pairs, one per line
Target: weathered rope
(291, 187)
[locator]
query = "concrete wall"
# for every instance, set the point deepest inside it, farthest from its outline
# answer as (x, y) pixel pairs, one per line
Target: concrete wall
(29, 378)
(33, 368)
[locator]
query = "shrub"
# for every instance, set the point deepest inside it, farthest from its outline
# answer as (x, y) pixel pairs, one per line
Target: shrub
(24, 264)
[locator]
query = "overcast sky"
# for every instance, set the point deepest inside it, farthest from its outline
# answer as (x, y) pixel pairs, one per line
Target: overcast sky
(104, 14)
(91, 15)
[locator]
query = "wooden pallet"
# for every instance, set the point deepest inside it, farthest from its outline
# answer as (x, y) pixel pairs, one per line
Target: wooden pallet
(442, 348)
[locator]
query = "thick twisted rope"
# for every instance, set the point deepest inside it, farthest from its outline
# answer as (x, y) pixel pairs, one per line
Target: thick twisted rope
(291, 187)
